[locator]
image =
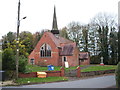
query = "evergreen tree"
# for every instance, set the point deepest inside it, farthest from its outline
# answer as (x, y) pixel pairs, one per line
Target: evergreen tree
(113, 47)
(85, 38)
(8, 39)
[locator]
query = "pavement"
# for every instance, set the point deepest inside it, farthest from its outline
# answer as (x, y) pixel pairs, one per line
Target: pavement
(6, 83)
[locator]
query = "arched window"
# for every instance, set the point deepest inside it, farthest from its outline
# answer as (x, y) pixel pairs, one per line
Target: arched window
(45, 50)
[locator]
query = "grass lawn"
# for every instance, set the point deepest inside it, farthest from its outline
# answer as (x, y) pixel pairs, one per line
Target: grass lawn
(40, 80)
(36, 68)
(99, 68)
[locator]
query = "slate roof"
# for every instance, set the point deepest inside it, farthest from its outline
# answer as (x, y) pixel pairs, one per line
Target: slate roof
(67, 50)
(83, 55)
(58, 40)
(67, 46)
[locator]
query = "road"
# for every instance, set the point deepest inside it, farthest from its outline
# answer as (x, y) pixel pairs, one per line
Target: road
(96, 82)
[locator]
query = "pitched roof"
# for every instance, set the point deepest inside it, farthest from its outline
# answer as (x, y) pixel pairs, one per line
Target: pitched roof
(59, 40)
(67, 46)
(67, 50)
(32, 54)
(83, 55)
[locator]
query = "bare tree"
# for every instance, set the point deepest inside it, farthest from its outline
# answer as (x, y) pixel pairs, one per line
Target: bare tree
(79, 34)
(104, 19)
(74, 32)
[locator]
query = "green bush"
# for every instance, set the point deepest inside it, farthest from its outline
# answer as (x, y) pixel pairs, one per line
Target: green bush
(10, 74)
(117, 72)
(22, 64)
(8, 59)
(95, 59)
(9, 63)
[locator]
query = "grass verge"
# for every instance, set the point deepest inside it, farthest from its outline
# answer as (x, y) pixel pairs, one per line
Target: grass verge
(99, 68)
(22, 81)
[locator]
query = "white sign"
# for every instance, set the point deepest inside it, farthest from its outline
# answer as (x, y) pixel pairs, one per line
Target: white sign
(66, 65)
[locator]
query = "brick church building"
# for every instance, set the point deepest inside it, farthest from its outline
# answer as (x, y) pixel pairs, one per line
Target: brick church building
(53, 49)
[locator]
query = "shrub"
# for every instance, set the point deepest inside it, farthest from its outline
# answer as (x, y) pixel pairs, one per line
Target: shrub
(95, 59)
(117, 72)
(10, 74)
(8, 59)
(22, 64)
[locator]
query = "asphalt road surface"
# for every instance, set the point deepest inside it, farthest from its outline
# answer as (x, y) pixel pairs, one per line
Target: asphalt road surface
(96, 82)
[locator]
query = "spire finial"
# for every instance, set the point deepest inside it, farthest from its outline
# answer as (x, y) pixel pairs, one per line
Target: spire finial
(54, 24)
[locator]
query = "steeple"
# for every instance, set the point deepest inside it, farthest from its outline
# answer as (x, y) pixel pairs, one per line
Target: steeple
(54, 24)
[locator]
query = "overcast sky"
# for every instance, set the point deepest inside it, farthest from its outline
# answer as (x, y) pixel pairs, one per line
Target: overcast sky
(40, 13)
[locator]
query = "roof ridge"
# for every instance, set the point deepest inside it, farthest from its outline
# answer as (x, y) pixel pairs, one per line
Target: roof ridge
(59, 40)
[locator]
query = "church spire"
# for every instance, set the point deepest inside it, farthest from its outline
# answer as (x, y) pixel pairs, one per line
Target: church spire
(54, 24)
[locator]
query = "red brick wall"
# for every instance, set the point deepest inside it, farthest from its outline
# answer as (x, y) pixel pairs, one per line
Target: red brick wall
(78, 72)
(72, 60)
(28, 75)
(54, 54)
(60, 73)
(31, 56)
(34, 74)
(85, 62)
(76, 56)
(55, 59)
(53, 73)
(92, 73)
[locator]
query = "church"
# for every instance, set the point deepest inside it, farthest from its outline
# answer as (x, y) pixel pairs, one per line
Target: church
(52, 49)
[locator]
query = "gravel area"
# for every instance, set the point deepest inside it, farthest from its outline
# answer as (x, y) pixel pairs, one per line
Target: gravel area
(4, 83)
